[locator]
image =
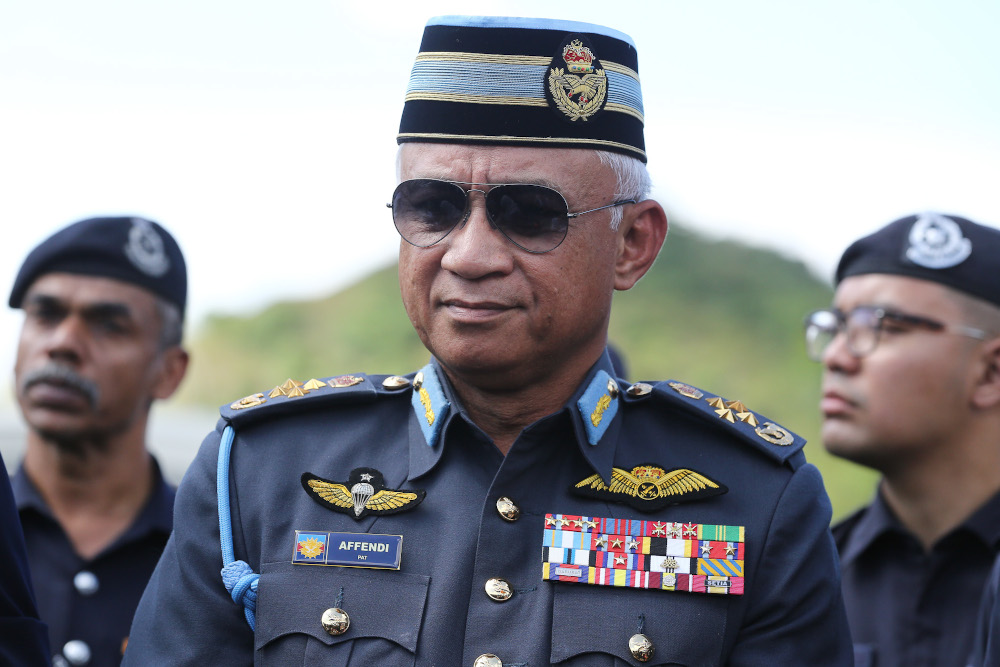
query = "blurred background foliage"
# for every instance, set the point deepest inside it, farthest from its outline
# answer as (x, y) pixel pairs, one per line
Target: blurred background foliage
(719, 315)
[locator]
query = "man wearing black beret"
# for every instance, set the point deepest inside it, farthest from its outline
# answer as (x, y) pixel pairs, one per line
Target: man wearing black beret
(911, 388)
(103, 303)
(514, 502)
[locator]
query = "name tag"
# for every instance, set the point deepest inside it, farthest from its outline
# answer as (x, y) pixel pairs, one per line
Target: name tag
(347, 549)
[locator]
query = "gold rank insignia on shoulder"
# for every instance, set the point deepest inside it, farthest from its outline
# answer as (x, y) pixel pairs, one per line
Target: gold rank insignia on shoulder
(362, 494)
(251, 401)
(649, 487)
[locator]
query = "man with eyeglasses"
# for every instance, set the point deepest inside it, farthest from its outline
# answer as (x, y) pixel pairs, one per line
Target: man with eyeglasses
(911, 388)
(514, 502)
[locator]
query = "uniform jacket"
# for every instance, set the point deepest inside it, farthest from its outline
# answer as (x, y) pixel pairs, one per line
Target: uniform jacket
(434, 609)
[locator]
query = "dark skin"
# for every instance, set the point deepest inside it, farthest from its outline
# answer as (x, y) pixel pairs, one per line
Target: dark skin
(89, 366)
(516, 332)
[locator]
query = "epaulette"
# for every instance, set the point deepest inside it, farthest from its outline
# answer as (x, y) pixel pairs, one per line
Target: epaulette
(771, 438)
(293, 396)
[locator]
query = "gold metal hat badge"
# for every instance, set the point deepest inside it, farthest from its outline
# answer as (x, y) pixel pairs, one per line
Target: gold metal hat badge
(579, 89)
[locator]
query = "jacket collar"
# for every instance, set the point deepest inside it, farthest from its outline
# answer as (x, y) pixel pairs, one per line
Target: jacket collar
(593, 410)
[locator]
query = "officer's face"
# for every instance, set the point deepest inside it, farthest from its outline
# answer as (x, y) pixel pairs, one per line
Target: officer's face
(89, 362)
(911, 394)
(491, 312)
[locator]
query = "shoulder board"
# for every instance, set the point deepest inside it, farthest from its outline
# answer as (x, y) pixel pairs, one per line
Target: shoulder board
(293, 396)
(751, 427)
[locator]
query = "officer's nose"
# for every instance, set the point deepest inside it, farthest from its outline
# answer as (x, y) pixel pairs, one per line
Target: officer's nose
(477, 248)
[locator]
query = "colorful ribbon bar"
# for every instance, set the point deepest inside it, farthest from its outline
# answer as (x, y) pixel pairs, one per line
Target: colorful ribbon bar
(670, 556)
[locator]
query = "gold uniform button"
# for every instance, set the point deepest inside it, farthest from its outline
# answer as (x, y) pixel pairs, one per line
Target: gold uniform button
(487, 660)
(498, 589)
(508, 510)
(335, 621)
(640, 647)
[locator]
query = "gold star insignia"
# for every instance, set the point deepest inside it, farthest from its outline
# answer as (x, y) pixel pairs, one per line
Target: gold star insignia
(716, 402)
(616, 543)
(619, 560)
(590, 523)
(633, 543)
(577, 522)
(706, 549)
(730, 549)
(563, 522)
(601, 542)
(726, 414)
(549, 520)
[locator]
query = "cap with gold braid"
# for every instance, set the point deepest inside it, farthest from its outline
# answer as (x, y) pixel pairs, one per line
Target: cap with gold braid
(525, 82)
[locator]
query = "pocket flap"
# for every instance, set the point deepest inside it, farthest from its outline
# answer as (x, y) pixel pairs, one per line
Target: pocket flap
(386, 604)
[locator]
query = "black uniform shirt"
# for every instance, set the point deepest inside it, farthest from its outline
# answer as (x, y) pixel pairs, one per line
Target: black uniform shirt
(88, 605)
(907, 606)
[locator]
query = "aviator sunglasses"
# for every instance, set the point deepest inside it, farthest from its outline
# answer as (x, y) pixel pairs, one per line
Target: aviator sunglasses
(533, 217)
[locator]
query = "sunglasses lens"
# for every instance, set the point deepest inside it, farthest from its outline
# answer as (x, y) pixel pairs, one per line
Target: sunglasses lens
(532, 216)
(425, 210)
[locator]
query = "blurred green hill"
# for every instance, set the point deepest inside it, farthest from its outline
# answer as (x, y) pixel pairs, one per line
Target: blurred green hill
(716, 314)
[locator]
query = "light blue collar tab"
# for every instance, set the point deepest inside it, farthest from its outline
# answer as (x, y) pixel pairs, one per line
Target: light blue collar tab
(429, 403)
(598, 406)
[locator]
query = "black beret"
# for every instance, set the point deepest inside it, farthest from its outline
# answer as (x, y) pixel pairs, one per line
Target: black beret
(132, 250)
(525, 82)
(945, 249)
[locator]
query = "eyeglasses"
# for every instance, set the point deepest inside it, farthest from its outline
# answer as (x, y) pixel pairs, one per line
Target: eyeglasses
(533, 217)
(863, 326)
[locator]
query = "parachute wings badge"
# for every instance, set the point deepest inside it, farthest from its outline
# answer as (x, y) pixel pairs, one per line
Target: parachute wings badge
(362, 494)
(649, 487)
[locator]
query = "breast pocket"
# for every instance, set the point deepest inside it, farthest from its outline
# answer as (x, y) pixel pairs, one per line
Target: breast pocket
(385, 608)
(592, 625)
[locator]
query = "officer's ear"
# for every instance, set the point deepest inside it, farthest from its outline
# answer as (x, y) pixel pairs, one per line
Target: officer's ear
(174, 363)
(986, 394)
(640, 237)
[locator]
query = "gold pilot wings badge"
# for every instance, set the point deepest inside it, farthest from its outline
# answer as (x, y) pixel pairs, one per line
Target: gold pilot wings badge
(649, 487)
(362, 494)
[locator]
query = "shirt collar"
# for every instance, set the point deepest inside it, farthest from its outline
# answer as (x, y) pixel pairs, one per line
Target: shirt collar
(878, 520)
(596, 422)
(156, 516)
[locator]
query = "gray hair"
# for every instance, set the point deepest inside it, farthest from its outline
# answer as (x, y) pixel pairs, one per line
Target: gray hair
(633, 180)
(171, 325)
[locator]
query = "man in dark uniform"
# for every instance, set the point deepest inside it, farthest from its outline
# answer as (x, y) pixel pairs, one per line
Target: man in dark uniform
(23, 638)
(512, 503)
(986, 643)
(103, 303)
(911, 388)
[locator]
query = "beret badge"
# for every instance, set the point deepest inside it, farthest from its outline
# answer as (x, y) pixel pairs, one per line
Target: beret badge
(145, 249)
(936, 242)
(577, 84)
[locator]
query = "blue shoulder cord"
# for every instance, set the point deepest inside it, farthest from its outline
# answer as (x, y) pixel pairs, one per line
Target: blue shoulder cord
(239, 578)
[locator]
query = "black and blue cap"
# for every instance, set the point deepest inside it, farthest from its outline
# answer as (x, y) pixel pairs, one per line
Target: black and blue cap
(946, 249)
(132, 250)
(525, 82)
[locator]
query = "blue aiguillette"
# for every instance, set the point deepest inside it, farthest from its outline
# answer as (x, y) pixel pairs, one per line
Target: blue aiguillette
(347, 549)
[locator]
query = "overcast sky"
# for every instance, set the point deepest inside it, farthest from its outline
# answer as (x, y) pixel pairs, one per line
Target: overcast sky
(263, 134)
